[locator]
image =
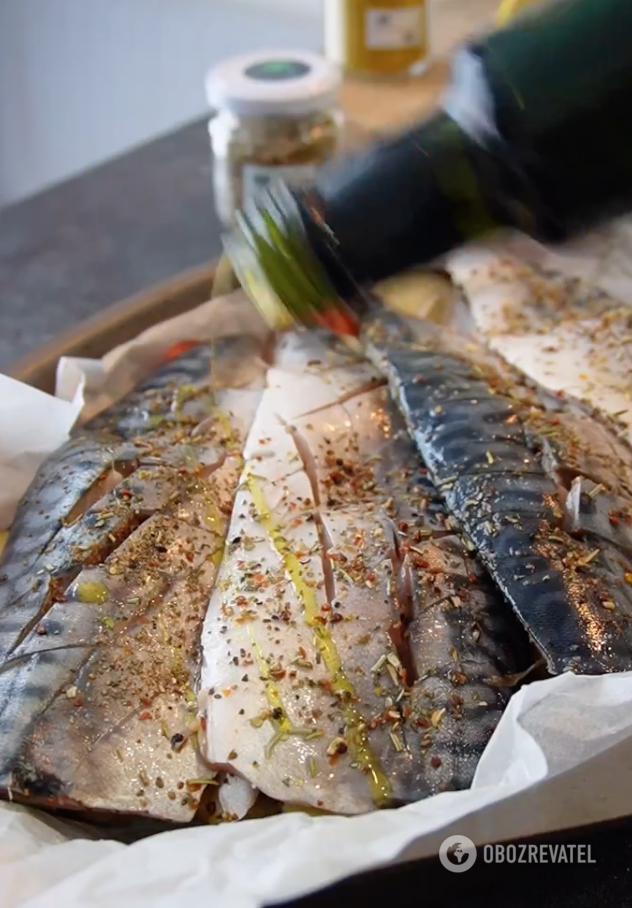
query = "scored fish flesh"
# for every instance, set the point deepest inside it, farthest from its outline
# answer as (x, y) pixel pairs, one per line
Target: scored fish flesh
(106, 577)
(560, 331)
(355, 654)
(541, 484)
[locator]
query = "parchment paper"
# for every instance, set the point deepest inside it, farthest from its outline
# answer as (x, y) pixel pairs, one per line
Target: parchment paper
(32, 424)
(560, 757)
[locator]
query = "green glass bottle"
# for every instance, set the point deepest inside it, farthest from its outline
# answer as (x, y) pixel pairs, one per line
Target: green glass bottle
(534, 134)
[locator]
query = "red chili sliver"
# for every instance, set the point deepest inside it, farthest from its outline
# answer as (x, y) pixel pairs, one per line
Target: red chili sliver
(338, 322)
(179, 348)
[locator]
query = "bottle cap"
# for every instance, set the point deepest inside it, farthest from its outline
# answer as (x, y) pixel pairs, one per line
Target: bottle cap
(273, 82)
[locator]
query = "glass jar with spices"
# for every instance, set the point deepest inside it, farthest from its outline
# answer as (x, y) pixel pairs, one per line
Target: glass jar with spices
(377, 37)
(275, 116)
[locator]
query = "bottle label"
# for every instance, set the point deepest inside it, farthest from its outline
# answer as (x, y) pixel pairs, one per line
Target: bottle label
(257, 178)
(393, 29)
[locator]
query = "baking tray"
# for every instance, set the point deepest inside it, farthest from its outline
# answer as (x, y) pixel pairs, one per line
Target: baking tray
(604, 884)
(426, 884)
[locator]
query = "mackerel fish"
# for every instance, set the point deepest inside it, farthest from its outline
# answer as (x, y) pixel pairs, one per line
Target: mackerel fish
(106, 578)
(239, 581)
(540, 483)
(356, 655)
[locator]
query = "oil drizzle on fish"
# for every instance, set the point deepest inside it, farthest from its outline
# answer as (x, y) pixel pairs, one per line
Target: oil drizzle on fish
(363, 754)
(278, 714)
(108, 571)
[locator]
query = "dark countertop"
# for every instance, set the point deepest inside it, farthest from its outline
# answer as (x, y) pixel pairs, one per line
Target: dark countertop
(113, 231)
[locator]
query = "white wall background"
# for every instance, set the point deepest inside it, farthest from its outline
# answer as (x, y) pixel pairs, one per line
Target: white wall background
(84, 80)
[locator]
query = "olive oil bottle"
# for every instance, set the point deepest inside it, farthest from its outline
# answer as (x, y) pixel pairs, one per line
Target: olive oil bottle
(534, 134)
(376, 38)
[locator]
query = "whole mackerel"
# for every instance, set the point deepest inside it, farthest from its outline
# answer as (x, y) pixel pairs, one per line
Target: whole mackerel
(541, 485)
(106, 578)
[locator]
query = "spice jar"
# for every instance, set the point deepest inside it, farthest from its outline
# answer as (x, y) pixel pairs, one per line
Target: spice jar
(377, 37)
(275, 116)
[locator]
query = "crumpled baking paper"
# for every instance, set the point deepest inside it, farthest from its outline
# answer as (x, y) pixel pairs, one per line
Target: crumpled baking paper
(108, 379)
(561, 756)
(32, 424)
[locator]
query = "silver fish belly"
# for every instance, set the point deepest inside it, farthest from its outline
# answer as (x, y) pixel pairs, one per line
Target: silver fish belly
(106, 578)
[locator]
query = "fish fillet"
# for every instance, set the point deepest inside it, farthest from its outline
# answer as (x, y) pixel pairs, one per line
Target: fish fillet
(353, 650)
(541, 484)
(560, 331)
(106, 576)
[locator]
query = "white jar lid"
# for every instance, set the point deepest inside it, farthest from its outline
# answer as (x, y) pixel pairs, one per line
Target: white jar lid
(273, 82)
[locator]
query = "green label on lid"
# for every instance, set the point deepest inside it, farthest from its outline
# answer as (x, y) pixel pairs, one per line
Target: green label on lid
(277, 70)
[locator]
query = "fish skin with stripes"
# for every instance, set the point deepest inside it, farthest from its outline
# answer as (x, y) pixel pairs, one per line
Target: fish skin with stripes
(540, 483)
(427, 523)
(106, 577)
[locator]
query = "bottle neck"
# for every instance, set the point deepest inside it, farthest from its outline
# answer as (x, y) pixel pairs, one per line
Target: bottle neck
(405, 203)
(309, 256)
